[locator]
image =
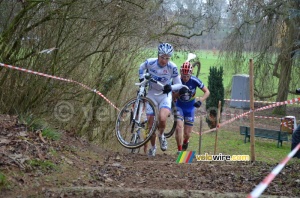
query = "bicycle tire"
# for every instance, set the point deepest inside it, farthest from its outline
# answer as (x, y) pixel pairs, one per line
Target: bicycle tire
(171, 122)
(124, 122)
(135, 139)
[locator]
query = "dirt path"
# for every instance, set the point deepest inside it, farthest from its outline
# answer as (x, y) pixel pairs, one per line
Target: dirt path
(72, 167)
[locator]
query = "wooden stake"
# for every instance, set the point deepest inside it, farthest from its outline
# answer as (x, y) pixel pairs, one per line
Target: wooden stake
(252, 132)
(200, 136)
(218, 121)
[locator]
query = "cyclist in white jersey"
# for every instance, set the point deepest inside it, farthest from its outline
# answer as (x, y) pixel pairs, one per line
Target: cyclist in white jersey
(164, 71)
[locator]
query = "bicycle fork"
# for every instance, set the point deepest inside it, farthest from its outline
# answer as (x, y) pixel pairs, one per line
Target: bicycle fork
(137, 113)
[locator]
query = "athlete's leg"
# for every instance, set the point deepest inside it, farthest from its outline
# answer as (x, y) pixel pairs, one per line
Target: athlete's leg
(179, 134)
(188, 126)
(187, 132)
(163, 115)
(150, 118)
(179, 129)
(163, 102)
(153, 137)
(164, 111)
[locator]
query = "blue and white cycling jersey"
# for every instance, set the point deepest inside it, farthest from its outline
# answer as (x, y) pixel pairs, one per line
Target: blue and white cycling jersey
(185, 102)
(162, 74)
(188, 99)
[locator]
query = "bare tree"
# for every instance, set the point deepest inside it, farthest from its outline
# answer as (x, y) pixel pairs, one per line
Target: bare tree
(269, 30)
(98, 43)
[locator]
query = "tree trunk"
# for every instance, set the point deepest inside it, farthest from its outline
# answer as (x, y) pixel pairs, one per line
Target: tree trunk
(285, 64)
(284, 82)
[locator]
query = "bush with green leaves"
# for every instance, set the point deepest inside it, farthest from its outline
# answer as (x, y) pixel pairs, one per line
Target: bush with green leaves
(216, 88)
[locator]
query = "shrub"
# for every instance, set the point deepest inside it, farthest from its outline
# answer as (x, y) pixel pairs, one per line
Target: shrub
(216, 88)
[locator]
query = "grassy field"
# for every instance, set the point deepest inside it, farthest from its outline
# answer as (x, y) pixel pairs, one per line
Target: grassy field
(207, 59)
(232, 143)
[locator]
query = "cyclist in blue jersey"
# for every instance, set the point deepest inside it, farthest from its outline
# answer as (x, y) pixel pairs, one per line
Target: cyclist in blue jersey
(186, 104)
(164, 71)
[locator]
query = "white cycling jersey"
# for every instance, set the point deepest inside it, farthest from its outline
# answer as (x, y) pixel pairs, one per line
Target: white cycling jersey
(162, 74)
(165, 75)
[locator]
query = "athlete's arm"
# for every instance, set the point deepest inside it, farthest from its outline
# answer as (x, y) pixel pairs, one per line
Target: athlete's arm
(142, 69)
(176, 83)
(206, 94)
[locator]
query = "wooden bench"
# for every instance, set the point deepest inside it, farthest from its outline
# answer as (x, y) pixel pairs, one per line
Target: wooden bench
(265, 133)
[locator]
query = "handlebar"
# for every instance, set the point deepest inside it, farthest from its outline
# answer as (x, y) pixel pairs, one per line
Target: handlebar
(148, 78)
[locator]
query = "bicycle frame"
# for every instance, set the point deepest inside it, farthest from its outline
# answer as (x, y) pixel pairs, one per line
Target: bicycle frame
(137, 108)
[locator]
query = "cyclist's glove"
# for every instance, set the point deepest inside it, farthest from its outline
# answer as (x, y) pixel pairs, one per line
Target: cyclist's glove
(298, 91)
(167, 89)
(197, 104)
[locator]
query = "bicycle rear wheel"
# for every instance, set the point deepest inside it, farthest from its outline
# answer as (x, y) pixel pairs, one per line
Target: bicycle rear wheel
(171, 122)
(130, 126)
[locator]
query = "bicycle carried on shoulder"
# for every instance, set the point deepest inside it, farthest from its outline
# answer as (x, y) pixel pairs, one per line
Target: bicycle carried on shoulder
(132, 128)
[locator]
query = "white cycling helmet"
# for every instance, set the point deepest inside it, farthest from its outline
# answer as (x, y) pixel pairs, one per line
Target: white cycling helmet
(165, 49)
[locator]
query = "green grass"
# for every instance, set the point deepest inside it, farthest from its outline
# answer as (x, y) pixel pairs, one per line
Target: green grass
(232, 143)
(51, 134)
(35, 124)
(3, 181)
(43, 164)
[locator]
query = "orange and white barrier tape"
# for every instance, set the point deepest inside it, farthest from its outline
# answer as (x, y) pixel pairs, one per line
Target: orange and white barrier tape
(292, 101)
(58, 78)
(228, 114)
(238, 100)
(266, 117)
(259, 189)
(248, 112)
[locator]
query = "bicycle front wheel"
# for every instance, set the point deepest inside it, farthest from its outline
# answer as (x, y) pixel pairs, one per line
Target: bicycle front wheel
(135, 139)
(132, 122)
(171, 122)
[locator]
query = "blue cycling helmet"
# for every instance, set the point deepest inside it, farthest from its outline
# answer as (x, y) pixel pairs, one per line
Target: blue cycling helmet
(165, 49)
